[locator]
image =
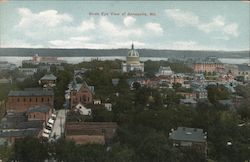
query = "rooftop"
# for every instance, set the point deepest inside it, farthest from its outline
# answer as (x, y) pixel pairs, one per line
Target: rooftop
(165, 68)
(39, 108)
(30, 93)
(48, 77)
(91, 128)
(244, 67)
(19, 133)
(188, 134)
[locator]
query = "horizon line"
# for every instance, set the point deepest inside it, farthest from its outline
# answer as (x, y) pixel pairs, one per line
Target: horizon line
(246, 50)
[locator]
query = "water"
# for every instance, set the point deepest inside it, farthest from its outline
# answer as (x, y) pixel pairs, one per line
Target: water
(75, 60)
(234, 60)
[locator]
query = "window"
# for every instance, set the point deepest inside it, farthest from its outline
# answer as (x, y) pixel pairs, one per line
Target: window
(48, 99)
(24, 99)
(84, 98)
(36, 99)
(42, 99)
(18, 100)
(103, 130)
(30, 99)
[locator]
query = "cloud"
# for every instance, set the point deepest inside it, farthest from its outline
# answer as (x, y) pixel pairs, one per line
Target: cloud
(182, 18)
(73, 42)
(19, 44)
(154, 27)
(218, 23)
(129, 21)
(48, 18)
(114, 30)
(84, 42)
(231, 29)
(87, 25)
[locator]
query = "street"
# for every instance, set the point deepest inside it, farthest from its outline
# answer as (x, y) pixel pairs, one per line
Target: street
(58, 128)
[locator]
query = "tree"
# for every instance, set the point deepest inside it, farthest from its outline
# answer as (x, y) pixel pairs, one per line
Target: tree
(6, 152)
(121, 153)
(154, 148)
(67, 151)
(101, 114)
(217, 92)
(30, 149)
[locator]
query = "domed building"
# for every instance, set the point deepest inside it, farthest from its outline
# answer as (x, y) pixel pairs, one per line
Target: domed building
(132, 62)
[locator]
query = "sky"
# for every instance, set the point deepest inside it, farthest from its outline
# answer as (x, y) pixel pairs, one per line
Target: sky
(177, 25)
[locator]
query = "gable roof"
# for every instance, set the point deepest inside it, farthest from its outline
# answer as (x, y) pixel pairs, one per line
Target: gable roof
(188, 134)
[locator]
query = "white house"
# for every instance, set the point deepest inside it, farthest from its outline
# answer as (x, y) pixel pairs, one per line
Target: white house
(108, 106)
(97, 101)
(82, 110)
(164, 71)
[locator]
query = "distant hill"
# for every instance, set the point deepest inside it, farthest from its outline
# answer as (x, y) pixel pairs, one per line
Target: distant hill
(119, 52)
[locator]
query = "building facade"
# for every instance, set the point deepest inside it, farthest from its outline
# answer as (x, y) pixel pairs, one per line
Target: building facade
(164, 71)
(80, 93)
(210, 64)
(28, 71)
(189, 138)
(133, 62)
(21, 101)
(36, 60)
(90, 132)
(48, 80)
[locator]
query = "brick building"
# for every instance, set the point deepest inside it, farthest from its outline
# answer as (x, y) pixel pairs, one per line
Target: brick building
(90, 132)
(210, 64)
(80, 93)
(21, 101)
(41, 112)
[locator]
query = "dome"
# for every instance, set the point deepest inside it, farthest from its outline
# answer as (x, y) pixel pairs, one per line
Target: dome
(133, 56)
(133, 52)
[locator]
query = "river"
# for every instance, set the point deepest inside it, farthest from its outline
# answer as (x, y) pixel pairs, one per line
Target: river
(74, 60)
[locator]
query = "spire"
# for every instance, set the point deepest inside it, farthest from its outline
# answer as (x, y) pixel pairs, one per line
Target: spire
(132, 47)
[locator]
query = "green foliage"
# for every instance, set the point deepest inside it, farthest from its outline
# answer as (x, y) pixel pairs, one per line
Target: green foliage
(154, 147)
(63, 79)
(67, 151)
(102, 115)
(217, 92)
(6, 152)
(145, 117)
(31, 150)
(120, 153)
